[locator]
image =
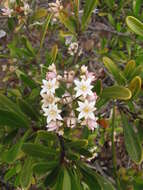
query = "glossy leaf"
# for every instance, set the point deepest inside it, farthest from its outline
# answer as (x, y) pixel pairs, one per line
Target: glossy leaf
(135, 86)
(43, 167)
(39, 151)
(132, 143)
(114, 70)
(129, 69)
(135, 25)
(116, 92)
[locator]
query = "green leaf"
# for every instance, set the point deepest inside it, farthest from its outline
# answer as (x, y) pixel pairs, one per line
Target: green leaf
(66, 180)
(45, 30)
(114, 70)
(45, 135)
(40, 13)
(11, 172)
(89, 7)
(28, 109)
(104, 183)
(76, 143)
(68, 21)
(6, 103)
(43, 167)
(136, 6)
(51, 178)
(75, 179)
(89, 177)
(135, 86)
(137, 71)
(26, 79)
(39, 151)
(12, 119)
(98, 87)
(116, 92)
(26, 173)
(54, 53)
(135, 25)
(12, 154)
(28, 45)
(59, 180)
(129, 69)
(132, 143)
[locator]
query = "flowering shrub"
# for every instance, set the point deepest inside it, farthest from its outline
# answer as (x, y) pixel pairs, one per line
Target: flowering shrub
(66, 105)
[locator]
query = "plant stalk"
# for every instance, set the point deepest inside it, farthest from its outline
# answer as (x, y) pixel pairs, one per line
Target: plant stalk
(114, 152)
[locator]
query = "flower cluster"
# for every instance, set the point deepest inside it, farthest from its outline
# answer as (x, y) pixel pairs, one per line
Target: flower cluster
(60, 112)
(55, 8)
(12, 8)
(74, 48)
(50, 101)
(87, 98)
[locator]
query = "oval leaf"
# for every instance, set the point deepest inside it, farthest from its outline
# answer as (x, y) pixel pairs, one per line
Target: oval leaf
(135, 86)
(116, 92)
(39, 151)
(114, 70)
(26, 174)
(135, 25)
(12, 119)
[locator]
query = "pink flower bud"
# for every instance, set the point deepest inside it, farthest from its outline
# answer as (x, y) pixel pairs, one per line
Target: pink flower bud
(92, 98)
(52, 126)
(91, 75)
(92, 124)
(50, 75)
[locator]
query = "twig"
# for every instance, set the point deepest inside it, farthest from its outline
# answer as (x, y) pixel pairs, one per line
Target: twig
(94, 28)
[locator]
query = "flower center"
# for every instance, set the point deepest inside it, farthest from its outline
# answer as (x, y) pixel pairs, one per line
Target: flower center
(83, 88)
(53, 113)
(86, 109)
(49, 86)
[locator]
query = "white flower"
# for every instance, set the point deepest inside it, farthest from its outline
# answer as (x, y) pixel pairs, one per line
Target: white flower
(52, 68)
(26, 8)
(49, 86)
(48, 99)
(7, 12)
(83, 87)
(55, 8)
(83, 69)
(73, 48)
(86, 110)
(52, 113)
